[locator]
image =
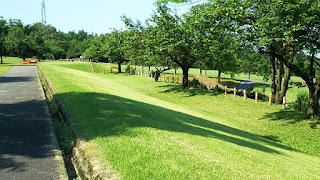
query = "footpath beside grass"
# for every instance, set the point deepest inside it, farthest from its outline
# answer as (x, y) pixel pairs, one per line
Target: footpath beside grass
(156, 130)
(4, 69)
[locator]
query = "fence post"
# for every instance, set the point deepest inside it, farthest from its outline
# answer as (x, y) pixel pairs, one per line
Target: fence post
(172, 79)
(225, 90)
(130, 71)
(256, 96)
(235, 92)
(111, 70)
(103, 71)
(162, 77)
(177, 80)
(167, 78)
(284, 102)
(245, 94)
(270, 99)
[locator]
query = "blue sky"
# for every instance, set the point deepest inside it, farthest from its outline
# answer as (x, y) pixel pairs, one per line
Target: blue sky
(96, 16)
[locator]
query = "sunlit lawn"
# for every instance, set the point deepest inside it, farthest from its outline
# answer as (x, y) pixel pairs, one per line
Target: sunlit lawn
(158, 130)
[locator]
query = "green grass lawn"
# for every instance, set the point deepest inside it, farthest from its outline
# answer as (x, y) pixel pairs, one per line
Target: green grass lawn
(157, 130)
(4, 69)
(11, 61)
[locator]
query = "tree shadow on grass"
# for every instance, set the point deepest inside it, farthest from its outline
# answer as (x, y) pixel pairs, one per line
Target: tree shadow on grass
(101, 115)
(258, 84)
(177, 88)
(289, 115)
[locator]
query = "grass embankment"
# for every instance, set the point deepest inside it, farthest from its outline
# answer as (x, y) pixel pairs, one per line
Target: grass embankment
(149, 130)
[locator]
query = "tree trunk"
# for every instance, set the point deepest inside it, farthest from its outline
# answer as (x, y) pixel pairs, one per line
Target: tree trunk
(286, 78)
(157, 75)
(279, 67)
(219, 77)
(185, 81)
(205, 72)
(200, 72)
(142, 69)
(1, 60)
(119, 66)
(273, 78)
(149, 68)
(313, 109)
(249, 74)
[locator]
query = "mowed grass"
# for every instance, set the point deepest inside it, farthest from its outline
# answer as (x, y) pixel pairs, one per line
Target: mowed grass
(4, 69)
(11, 61)
(260, 84)
(157, 130)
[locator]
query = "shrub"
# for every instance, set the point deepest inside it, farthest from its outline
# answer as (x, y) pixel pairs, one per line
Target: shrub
(195, 83)
(128, 67)
(153, 73)
(250, 89)
(302, 102)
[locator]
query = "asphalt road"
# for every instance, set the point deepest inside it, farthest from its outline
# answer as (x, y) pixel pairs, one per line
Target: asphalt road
(244, 84)
(27, 143)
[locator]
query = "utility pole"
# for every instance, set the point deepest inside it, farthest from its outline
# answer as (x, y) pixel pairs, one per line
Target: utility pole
(43, 13)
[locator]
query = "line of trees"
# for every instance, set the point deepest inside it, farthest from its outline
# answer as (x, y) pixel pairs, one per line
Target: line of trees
(274, 38)
(284, 31)
(40, 42)
(231, 36)
(167, 40)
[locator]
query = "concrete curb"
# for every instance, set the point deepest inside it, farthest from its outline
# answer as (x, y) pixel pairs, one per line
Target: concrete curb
(58, 154)
(84, 166)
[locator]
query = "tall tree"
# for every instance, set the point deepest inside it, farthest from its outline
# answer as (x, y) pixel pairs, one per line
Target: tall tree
(176, 38)
(16, 41)
(115, 46)
(3, 34)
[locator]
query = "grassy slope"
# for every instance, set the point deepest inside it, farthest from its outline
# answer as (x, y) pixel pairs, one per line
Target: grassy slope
(149, 130)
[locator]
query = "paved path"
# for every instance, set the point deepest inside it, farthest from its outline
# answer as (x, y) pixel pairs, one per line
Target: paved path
(27, 141)
(244, 84)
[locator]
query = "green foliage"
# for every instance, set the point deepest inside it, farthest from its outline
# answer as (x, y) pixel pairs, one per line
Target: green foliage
(302, 102)
(65, 137)
(194, 83)
(128, 68)
(249, 89)
(40, 42)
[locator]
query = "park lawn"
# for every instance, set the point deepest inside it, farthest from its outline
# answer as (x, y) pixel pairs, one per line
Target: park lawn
(11, 61)
(206, 80)
(149, 130)
(4, 69)
(260, 85)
